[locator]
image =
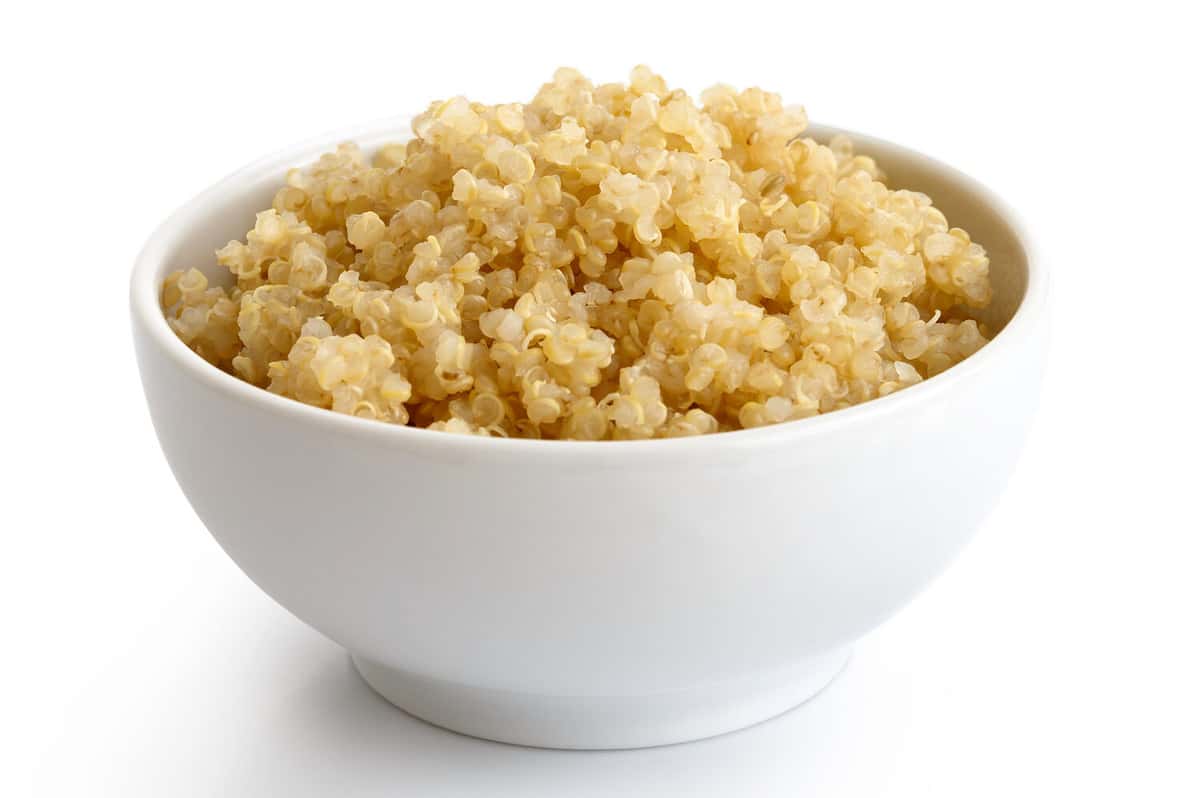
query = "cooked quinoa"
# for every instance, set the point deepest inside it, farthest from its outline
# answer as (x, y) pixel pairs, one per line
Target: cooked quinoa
(603, 262)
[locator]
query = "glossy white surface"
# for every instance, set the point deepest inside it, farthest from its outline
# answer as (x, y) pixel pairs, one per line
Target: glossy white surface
(584, 595)
(606, 721)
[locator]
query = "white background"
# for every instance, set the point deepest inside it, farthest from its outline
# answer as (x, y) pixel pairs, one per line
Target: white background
(1058, 657)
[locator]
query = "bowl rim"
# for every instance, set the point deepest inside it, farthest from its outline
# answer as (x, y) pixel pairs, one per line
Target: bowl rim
(149, 320)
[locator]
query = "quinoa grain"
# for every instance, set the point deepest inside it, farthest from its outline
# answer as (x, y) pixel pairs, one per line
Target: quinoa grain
(603, 262)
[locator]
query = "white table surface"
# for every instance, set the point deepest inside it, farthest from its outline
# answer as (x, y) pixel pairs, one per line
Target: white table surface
(1038, 660)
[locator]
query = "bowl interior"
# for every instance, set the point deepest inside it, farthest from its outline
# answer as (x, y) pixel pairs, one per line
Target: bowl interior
(226, 211)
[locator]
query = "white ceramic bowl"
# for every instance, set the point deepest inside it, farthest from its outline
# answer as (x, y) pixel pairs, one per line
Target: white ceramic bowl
(594, 595)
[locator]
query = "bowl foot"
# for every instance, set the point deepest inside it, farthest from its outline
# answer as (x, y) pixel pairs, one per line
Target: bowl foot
(567, 721)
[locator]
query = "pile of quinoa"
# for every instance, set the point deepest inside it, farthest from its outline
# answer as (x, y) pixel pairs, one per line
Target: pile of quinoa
(603, 262)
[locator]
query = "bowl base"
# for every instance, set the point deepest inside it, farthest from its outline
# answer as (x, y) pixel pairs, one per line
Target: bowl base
(598, 722)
